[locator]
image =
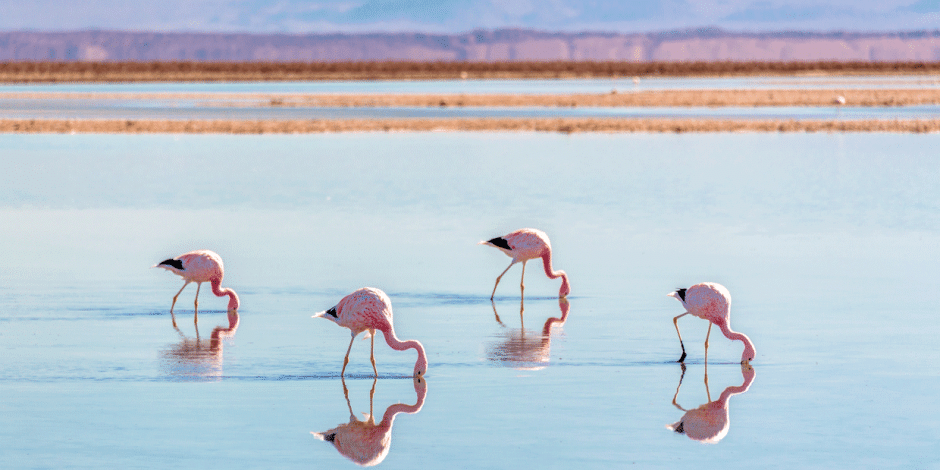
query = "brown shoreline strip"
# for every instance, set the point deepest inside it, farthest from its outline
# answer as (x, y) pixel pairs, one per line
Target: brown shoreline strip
(558, 125)
(32, 72)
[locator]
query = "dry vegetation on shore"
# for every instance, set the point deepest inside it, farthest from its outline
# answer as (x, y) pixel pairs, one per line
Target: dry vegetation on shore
(26, 72)
(560, 125)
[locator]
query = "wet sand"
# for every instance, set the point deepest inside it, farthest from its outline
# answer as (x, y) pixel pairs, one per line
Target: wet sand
(555, 125)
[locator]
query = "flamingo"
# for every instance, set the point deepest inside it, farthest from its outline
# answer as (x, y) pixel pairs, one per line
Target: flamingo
(369, 309)
(709, 423)
(711, 301)
(364, 442)
(525, 349)
(199, 266)
(523, 245)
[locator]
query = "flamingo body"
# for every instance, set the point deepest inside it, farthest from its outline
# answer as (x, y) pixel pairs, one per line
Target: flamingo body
(711, 301)
(524, 245)
(369, 309)
(710, 422)
(200, 266)
(366, 443)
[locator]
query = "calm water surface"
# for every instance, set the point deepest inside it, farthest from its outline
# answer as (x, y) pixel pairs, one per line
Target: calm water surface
(827, 242)
(500, 86)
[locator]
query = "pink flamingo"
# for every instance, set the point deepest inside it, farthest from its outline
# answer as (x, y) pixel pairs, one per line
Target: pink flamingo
(364, 442)
(712, 302)
(525, 349)
(523, 245)
(709, 423)
(369, 309)
(199, 266)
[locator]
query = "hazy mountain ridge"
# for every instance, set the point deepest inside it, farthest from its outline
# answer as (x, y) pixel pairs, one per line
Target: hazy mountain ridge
(707, 44)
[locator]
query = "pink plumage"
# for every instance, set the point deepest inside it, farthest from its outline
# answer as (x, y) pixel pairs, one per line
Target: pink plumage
(524, 245)
(711, 301)
(366, 443)
(369, 309)
(199, 266)
(709, 423)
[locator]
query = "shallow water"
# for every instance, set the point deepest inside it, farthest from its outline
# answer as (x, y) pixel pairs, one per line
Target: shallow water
(827, 242)
(188, 109)
(500, 86)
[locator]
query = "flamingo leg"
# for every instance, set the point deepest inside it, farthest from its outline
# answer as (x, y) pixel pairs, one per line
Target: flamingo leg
(500, 277)
(371, 396)
(174, 302)
(346, 359)
(706, 346)
(495, 313)
(196, 303)
(706, 383)
(677, 389)
(352, 416)
(675, 321)
(372, 357)
(522, 279)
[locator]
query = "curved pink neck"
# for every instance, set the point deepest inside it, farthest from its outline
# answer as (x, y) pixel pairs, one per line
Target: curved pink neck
(547, 264)
(389, 417)
(220, 291)
(734, 390)
(735, 336)
(399, 345)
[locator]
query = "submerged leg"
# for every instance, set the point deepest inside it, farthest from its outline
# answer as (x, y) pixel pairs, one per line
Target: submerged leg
(352, 416)
(500, 277)
(675, 321)
(677, 388)
(196, 303)
(346, 359)
(706, 383)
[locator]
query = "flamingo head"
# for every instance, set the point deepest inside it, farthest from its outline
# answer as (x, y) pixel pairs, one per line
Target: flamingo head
(749, 352)
(421, 365)
(565, 287)
(330, 314)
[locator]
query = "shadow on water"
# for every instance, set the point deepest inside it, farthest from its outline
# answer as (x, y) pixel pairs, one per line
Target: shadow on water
(366, 443)
(709, 423)
(524, 349)
(196, 359)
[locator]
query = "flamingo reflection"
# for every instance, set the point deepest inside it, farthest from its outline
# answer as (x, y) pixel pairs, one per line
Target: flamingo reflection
(527, 349)
(709, 423)
(366, 443)
(199, 358)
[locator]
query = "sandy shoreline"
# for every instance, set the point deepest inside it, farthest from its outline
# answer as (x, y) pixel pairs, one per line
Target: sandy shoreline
(615, 98)
(51, 72)
(554, 125)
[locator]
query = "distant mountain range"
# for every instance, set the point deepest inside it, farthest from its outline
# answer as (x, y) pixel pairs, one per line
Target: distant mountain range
(481, 46)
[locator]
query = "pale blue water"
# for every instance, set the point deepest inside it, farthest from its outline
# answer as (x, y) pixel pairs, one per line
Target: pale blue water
(189, 109)
(501, 86)
(828, 243)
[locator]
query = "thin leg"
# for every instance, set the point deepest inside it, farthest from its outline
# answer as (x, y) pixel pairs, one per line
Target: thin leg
(352, 416)
(372, 357)
(496, 314)
(196, 303)
(675, 321)
(174, 301)
(706, 383)
(521, 309)
(371, 396)
(500, 277)
(522, 280)
(677, 388)
(346, 359)
(706, 344)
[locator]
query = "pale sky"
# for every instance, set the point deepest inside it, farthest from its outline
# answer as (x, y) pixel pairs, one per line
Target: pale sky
(453, 16)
